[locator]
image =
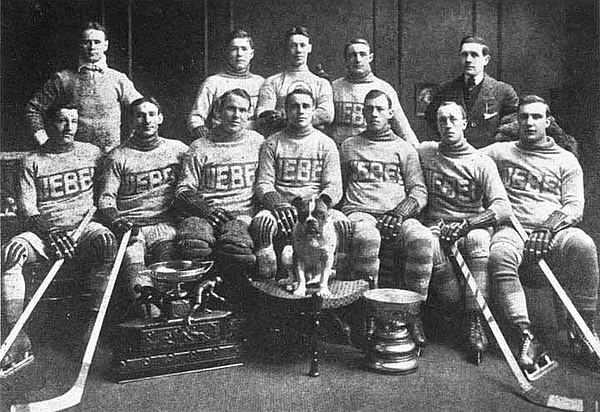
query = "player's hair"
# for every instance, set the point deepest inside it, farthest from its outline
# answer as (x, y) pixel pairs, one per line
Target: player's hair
(452, 103)
(297, 30)
(238, 34)
(374, 94)
(234, 92)
(147, 99)
(54, 110)
(532, 98)
(93, 25)
(355, 41)
(478, 40)
(299, 90)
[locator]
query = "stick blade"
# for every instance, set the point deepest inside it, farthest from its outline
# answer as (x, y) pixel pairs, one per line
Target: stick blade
(66, 400)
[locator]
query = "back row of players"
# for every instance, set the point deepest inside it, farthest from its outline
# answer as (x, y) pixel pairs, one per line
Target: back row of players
(229, 194)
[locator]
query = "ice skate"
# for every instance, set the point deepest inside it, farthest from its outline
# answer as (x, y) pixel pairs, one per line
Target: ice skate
(476, 339)
(18, 356)
(533, 360)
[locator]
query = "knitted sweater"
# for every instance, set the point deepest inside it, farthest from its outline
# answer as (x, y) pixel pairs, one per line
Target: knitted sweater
(461, 182)
(223, 172)
(59, 186)
(348, 98)
(539, 180)
(99, 97)
(275, 89)
(213, 88)
(141, 183)
(299, 165)
(380, 171)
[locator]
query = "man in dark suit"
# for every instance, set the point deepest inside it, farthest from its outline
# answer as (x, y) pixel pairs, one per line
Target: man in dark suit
(485, 99)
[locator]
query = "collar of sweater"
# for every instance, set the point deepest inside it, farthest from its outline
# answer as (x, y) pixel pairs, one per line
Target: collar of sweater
(295, 69)
(384, 134)
(244, 73)
(297, 133)
(368, 77)
(53, 147)
(100, 64)
(461, 148)
(145, 145)
(221, 135)
(547, 145)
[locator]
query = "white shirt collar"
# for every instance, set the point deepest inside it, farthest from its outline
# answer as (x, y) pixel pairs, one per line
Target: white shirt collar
(101, 64)
(478, 79)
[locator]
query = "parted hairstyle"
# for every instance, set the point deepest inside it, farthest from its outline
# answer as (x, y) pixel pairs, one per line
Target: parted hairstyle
(355, 41)
(532, 98)
(299, 90)
(238, 34)
(478, 40)
(374, 94)
(142, 100)
(234, 92)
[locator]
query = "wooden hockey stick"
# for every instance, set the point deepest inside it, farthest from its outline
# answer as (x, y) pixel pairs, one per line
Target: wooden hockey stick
(12, 336)
(528, 392)
(73, 396)
(590, 339)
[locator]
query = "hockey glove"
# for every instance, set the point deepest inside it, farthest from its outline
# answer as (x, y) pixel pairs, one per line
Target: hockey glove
(58, 241)
(200, 132)
(285, 214)
(217, 218)
(540, 239)
(118, 225)
(390, 222)
(451, 232)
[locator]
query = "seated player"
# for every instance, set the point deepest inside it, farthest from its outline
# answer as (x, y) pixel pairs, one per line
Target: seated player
(384, 187)
(56, 192)
(466, 200)
(544, 183)
(137, 192)
(216, 186)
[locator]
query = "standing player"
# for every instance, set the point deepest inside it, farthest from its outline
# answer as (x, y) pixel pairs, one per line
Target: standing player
(216, 186)
(99, 93)
(466, 200)
(271, 109)
(56, 192)
(349, 94)
(138, 191)
(545, 186)
(384, 187)
(240, 51)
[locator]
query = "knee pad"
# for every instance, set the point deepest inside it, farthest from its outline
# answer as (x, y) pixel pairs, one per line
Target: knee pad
(504, 259)
(263, 228)
(195, 238)
(477, 243)
(14, 253)
(104, 246)
(235, 244)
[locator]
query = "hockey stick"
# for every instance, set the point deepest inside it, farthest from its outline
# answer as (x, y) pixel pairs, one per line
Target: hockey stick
(590, 339)
(12, 336)
(528, 392)
(73, 396)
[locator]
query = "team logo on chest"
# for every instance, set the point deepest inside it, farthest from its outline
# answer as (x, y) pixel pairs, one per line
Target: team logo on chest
(299, 170)
(65, 184)
(367, 171)
(142, 182)
(227, 177)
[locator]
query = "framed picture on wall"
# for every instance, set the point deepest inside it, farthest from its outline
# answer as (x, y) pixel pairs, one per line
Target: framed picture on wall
(424, 93)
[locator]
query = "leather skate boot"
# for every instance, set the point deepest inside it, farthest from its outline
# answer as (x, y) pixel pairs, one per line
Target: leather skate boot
(476, 339)
(19, 354)
(532, 358)
(415, 327)
(580, 347)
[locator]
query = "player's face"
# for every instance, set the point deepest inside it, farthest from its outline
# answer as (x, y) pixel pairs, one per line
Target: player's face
(377, 113)
(66, 125)
(533, 122)
(451, 124)
(234, 113)
(147, 119)
(93, 45)
(472, 58)
(240, 53)
(299, 48)
(299, 110)
(358, 59)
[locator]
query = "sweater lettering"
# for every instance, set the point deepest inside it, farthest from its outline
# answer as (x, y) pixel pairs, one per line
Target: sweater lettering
(522, 179)
(228, 177)
(65, 184)
(364, 171)
(299, 170)
(137, 183)
(450, 187)
(349, 114)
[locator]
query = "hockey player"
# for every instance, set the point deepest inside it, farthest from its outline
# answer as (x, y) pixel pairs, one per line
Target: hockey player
(466, 200)
(271, 109)
(240, 51)
(56, 192)
(384, 187)
(137, 193)
(216, 186)
(349, 94)
(545, 186)
(99, 93)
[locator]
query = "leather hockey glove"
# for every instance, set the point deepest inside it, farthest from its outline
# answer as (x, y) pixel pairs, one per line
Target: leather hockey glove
(390, 222)
(193, 203)
(58, 241)
(118, 225)
(452, 231)
(285, 214)
(540, 239)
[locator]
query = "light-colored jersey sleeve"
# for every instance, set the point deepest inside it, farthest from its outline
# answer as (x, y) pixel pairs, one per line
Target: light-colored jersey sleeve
(265, 176)
(494, 193)
(202, 106)
(399, 122)
(110, 183)
(27, 196)
(267, 97)
(324, 108)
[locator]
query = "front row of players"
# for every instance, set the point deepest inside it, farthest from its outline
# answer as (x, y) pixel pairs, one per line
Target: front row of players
(205, 202)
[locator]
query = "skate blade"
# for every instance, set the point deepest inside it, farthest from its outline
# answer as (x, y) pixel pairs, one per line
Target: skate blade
(543, 366)
(14, 367)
